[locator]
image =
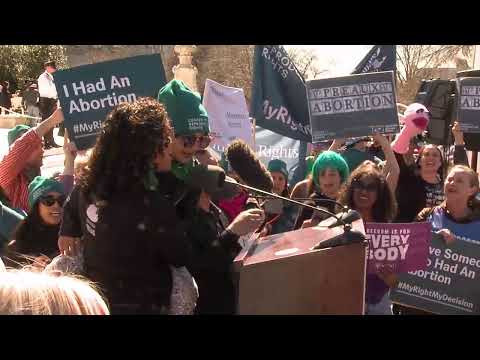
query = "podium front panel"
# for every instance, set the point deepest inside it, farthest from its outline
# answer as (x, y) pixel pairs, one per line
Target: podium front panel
(282, 277)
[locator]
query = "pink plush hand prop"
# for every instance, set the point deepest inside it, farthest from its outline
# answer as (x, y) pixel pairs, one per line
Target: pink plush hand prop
(416, 118)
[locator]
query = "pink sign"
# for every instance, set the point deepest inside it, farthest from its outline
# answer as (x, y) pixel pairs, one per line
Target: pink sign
(401, 247)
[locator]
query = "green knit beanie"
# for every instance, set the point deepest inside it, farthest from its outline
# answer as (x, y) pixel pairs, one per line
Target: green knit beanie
(332, 160)
(278, 166)
(41, 186)
(16, 132)
(184, 108)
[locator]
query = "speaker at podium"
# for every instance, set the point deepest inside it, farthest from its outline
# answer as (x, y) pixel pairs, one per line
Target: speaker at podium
(283, 275)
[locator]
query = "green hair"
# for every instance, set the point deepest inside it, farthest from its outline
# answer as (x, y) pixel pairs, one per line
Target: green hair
(332, 160)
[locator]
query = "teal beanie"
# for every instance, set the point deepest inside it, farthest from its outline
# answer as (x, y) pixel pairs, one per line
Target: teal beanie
(184, 108)
(332, 160)
(41, 186)
(278, 165)
(16, 132)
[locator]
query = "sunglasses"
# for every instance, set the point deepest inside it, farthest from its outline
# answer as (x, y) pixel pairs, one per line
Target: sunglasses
(191, 140)
(50, 200)
(360, 185)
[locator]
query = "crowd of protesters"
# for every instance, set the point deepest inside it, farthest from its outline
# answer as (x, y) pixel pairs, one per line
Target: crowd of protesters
(154, 229)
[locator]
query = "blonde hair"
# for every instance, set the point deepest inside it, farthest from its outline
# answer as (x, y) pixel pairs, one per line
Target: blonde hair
(474, 182)
(24, 292)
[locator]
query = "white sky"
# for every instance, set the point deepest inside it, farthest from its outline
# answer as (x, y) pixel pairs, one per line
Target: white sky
(339, 60)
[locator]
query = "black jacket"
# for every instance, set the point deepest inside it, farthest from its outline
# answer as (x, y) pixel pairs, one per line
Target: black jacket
(129, 245)
(213, 251)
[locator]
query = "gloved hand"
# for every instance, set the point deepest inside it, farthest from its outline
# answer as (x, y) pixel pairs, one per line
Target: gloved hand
(247, 221)
(416, 118)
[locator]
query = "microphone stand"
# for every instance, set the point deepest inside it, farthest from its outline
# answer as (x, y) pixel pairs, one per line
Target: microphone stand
(343, 207)
(349, 235)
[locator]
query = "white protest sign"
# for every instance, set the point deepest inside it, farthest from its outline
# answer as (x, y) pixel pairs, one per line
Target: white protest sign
(228, 114)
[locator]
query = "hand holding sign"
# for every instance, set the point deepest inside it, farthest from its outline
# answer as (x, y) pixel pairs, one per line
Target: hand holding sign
(381, 140)
(387, 274)
(447, 236)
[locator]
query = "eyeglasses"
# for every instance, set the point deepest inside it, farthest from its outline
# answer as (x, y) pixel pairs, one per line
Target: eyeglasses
(360, 185)
(50, 200)
(191, 140)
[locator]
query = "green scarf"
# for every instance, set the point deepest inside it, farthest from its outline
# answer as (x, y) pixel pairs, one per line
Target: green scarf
(182, 171)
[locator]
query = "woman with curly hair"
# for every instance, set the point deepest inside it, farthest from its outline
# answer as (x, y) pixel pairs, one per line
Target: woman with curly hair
(123, 209)
(370, 192)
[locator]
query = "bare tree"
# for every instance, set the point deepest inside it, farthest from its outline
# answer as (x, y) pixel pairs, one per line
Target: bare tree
(306, 61)
(417, 62)
(230, 65)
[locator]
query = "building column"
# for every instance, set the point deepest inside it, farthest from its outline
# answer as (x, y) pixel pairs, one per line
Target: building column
(185, 70)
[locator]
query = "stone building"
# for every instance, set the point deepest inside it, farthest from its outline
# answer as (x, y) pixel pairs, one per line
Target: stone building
(89, 54)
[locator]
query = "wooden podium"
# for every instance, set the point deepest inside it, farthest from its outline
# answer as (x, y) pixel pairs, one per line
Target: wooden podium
(281, 275)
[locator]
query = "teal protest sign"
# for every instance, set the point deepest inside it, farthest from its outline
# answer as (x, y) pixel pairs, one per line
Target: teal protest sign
(278, 100)
(352, 106)
(88, 93)
(448, 285)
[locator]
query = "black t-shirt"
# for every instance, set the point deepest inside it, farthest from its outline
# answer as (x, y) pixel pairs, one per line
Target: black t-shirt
(306, 213)
(434, 194)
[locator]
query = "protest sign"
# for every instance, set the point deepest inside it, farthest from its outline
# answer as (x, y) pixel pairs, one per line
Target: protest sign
(449, 285)
(352, 106)
(269, 146)
(379, 58)
(227, 113)
(88, 93)
(278, 100)
(400, 247)
(469, 104)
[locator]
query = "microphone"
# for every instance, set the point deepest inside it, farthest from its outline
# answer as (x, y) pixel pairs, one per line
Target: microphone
(246, 164)
(212, 180)
(348, 217)
(349, 236)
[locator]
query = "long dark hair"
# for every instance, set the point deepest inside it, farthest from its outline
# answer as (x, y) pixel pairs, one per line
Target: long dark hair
(34, 236)
(123, 155)
(441, 169)
(385, 208)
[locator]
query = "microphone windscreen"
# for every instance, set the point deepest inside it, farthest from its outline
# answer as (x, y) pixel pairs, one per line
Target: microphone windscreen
(248, 167)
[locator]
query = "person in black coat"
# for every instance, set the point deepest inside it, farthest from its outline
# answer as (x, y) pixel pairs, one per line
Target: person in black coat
(123, 211)
(5, 96)
(214, 241)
